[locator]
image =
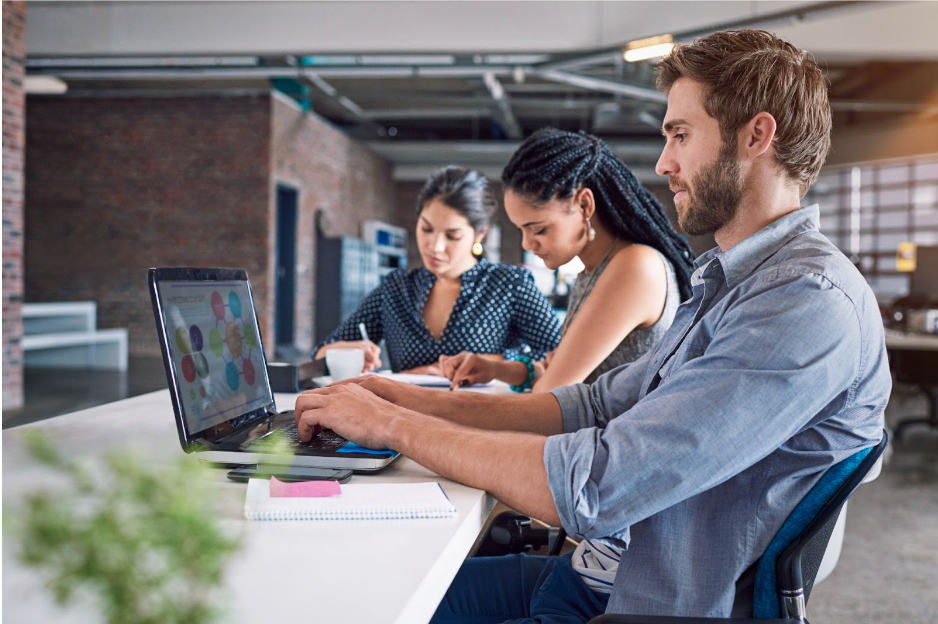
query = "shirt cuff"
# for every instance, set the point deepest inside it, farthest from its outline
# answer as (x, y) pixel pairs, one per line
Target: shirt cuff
(575, 407)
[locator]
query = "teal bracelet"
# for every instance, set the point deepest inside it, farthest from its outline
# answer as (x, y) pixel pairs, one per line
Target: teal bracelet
(530, 380)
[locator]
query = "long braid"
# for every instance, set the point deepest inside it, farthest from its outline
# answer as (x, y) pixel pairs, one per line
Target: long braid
(552, 163)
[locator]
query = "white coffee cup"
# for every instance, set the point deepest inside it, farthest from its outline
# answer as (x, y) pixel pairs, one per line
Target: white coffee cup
(345, 363)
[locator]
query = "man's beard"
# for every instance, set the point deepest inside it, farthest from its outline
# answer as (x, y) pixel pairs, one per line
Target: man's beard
(714, 197)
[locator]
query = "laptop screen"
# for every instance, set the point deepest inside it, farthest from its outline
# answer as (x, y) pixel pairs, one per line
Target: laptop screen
(215, 350)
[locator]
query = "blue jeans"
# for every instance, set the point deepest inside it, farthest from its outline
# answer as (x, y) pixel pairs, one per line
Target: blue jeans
(521, 589)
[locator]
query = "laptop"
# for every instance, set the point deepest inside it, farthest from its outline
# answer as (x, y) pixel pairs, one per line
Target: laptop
(217, 375)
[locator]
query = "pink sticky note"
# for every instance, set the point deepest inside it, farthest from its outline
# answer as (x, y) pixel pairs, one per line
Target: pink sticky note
(303, 489)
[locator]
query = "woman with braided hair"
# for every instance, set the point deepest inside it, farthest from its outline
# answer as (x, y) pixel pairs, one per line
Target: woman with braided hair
(572, 197)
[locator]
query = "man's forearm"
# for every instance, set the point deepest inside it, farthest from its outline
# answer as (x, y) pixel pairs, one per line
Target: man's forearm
(534, 413)
(509, 465)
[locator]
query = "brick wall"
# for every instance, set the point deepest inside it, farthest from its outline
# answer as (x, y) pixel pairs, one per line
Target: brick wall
(14, 54)
(333, 175)
(117, 185)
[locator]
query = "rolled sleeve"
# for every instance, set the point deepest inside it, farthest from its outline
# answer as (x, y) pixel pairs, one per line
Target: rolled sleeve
(782, 357)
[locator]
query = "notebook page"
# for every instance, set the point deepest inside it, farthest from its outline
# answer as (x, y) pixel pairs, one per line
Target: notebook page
(363, 501)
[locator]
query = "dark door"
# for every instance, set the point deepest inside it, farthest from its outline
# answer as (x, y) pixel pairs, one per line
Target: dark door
(286, 265)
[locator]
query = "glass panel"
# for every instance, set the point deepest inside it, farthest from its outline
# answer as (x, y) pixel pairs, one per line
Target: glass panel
(894, 197)
(926, 170)
(890, 242)
(893, 219)
(925, 195)
(866, 176)
(866, 263)
(925, 218)
(890, 175)
(925, 238)
(891, 286)
(829, 224)
(867, 199)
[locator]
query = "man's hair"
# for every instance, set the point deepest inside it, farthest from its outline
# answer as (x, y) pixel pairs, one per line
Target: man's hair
(745, 72)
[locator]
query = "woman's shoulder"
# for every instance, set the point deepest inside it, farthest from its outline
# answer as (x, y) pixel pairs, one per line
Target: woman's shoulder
(638, 262)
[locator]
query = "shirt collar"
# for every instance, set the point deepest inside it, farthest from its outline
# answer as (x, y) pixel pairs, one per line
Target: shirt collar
(745, 256)
(425, 279)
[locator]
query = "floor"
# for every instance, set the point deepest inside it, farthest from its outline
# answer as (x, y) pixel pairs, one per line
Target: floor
(888, 570)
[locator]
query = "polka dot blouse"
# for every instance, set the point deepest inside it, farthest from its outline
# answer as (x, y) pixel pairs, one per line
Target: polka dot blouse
(499, 310)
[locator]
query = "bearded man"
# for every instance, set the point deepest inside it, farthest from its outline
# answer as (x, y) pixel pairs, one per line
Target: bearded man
(677, 470)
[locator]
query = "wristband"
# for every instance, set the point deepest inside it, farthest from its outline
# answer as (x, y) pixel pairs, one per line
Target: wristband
(530, 379)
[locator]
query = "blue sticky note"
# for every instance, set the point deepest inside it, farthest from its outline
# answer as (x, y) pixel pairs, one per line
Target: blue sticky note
(351, 447)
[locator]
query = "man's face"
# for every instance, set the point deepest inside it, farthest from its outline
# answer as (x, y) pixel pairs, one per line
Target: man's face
(702, 171)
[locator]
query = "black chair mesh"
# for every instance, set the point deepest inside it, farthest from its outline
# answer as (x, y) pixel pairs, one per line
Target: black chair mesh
(813, 553)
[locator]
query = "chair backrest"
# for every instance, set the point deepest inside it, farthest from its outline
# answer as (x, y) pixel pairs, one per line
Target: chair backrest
(788, 566)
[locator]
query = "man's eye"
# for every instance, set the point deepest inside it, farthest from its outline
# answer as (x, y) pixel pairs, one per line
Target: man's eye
(680, 137)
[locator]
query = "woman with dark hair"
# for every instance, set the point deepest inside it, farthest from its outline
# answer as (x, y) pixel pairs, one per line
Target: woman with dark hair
(458, 301)
(572, 197)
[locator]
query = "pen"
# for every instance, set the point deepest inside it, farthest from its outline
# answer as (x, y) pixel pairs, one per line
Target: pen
(361, 330)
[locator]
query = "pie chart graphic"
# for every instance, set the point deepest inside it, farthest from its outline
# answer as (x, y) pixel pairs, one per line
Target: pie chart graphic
(195, 338)
(215, 342)
(234, 302)
(233, 339)
(201, 365)
(218, 306)
(182, 340)
(249, 374)
(232, 376)
(188, 368)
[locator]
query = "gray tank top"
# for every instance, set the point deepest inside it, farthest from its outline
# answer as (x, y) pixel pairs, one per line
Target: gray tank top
(639, 341)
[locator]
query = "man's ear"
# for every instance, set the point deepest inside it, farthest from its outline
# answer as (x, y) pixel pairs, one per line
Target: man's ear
(758, 135)
(585, 201)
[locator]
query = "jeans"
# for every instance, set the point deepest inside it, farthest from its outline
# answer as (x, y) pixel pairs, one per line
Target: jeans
(519, 588)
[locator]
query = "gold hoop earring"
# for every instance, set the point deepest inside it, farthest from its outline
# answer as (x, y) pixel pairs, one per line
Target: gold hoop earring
(477, 249)
(590, 232)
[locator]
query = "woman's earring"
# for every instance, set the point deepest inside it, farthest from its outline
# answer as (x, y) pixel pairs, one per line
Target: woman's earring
(477, 249)
(590, 232)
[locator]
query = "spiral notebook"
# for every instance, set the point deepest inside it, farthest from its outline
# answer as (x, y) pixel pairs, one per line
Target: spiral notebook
(358, 501)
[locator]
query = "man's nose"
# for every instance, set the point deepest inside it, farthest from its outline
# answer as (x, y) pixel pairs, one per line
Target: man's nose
(666, 165)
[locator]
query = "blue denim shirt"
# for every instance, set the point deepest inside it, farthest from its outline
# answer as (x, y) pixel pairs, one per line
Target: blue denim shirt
(692, 457)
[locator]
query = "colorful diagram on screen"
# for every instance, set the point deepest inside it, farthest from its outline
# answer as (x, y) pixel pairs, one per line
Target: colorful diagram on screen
(231, 339)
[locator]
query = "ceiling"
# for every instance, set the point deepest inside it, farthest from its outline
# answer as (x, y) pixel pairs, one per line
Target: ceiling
(429, 83)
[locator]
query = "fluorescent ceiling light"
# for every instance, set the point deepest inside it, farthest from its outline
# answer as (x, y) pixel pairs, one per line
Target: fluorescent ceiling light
(652, 47)
(45, 84)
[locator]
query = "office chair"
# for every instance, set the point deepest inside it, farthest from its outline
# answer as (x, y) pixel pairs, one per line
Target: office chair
(787, 569)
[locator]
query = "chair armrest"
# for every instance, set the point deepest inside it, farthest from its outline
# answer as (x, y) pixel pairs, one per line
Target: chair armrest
(620, 618)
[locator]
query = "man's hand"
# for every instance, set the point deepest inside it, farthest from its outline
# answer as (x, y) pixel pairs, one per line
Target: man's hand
(348, 409)
(465, 369)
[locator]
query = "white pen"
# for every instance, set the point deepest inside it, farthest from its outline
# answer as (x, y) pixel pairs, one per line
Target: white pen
(361, 330)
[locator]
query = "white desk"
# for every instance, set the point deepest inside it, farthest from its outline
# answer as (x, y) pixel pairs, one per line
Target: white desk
(902, 341)
(364, 571)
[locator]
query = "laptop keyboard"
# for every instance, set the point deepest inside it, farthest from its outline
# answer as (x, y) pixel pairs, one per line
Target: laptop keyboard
(326, 440)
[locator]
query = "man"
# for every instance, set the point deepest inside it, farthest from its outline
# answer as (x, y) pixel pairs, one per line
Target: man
(676, 470)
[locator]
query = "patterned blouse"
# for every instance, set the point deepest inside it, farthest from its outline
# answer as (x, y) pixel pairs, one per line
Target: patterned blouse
(499, 310)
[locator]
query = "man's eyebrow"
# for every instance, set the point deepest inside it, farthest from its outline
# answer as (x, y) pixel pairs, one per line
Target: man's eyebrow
(671, 125)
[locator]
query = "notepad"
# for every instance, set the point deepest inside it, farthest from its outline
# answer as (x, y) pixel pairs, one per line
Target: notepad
(358, 501)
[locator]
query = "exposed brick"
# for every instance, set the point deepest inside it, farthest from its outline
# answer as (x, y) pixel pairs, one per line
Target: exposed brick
(117, 185)
(14, 51)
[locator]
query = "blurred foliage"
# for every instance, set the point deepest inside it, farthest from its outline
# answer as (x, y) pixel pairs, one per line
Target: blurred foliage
(146, 544)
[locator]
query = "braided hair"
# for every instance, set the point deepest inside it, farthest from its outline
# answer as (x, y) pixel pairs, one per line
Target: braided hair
(553, 163)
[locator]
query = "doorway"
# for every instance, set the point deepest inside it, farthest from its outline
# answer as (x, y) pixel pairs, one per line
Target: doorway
(285, 286)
